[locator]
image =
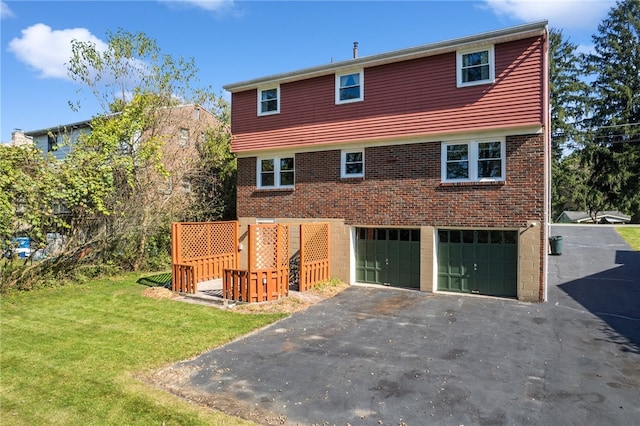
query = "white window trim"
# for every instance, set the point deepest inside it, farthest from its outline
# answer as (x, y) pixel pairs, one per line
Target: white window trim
(262, 89)
(337, 86)
(276, 171)
(492, 67)
(343, 163)
(473, 160)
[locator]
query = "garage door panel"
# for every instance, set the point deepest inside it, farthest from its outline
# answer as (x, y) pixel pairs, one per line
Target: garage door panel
(478, 261)
(388, 256)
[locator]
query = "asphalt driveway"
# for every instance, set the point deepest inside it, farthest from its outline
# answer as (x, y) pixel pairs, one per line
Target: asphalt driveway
(378, 356)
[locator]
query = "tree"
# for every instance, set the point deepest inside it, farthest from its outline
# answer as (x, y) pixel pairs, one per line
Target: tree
(568, 98)
(612, 150)
(146, 144)
(568, 94)
(29, 190)
(213, 180)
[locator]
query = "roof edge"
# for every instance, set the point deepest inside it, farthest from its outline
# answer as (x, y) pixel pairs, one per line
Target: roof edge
(496, 36)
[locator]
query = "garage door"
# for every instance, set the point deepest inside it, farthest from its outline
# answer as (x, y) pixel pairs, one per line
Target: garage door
(478, 261)
(388, 256)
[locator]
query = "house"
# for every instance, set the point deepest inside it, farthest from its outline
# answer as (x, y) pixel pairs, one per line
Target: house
(181, 127)
(611, 216)
(58, 140)
(431, 163)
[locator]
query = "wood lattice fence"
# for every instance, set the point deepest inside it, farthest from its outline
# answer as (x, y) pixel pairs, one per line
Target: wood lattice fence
(209, 250)
(201, 251)
(314, 254)
(268, 275)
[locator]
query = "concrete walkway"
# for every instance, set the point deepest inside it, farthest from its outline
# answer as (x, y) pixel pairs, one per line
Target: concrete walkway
(379, 356)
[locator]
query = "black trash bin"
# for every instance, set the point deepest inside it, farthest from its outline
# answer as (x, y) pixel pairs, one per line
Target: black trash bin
(556, 244)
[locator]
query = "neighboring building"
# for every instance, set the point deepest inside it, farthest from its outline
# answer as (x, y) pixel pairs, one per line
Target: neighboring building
(431, 163)
(182, 126)
(18, 138)
(611, 217)
(58, 140)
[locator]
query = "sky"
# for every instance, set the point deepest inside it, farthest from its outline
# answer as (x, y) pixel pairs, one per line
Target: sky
(233, 41)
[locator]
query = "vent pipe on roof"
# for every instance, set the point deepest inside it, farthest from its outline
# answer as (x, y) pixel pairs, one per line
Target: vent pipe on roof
(355, 49)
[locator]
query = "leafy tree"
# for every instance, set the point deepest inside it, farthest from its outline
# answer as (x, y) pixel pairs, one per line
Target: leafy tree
(29, 190)
(125, 181)
(213, 180)
(612, 151)
(142, 92)
(29, 193)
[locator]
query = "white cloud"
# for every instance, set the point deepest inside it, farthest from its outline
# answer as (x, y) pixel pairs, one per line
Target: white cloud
(209, 5)
(5, 12)
(47, 50)
(572, 14)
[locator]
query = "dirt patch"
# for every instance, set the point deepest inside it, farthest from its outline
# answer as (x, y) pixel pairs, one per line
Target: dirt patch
(158, 293)
(297, 301)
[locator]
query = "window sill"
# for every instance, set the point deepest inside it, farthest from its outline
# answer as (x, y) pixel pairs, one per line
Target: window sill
(351, 179)
(289, 189)
(473, 183)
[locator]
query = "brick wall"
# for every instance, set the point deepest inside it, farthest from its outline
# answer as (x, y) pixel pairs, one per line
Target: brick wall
(402, 187)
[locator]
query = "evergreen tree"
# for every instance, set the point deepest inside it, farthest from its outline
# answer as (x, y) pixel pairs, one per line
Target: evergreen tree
(568, 93)
(612, 150)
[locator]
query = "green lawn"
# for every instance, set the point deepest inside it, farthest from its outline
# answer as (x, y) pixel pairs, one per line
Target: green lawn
(71, 355)
(631, 235)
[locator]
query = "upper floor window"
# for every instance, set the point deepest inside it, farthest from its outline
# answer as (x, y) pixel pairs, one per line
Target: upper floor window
(52, 142)
(276, 172)
(349, 87)
(473, 161)
(475, 67)
(352, 164)
(269, 101)
(184, 137)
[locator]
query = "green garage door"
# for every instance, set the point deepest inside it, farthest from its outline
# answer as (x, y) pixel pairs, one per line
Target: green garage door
(388, 256)
(478, 261)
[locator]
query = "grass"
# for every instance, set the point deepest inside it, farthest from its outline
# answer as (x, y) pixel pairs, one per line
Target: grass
(631, 235)
(70, 355)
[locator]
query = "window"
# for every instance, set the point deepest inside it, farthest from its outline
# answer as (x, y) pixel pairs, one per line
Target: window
(475, 67)
(52, 142)
(276, 172)
(184, 137)
(196, 114)
(349, 87)
(185, 184)
(352, 164)
(473, 161)
(269, 101)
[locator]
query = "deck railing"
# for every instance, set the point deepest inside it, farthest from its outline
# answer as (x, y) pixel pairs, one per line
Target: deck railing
(255, 286)
(201, 252)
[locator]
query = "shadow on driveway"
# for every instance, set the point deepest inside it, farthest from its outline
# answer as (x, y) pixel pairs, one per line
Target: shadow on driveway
(612, 293)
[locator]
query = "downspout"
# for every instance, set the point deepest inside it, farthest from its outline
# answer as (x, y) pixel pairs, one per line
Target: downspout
(547, 159)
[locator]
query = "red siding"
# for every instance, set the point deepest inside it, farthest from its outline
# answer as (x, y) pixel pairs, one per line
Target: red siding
(404, 99)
